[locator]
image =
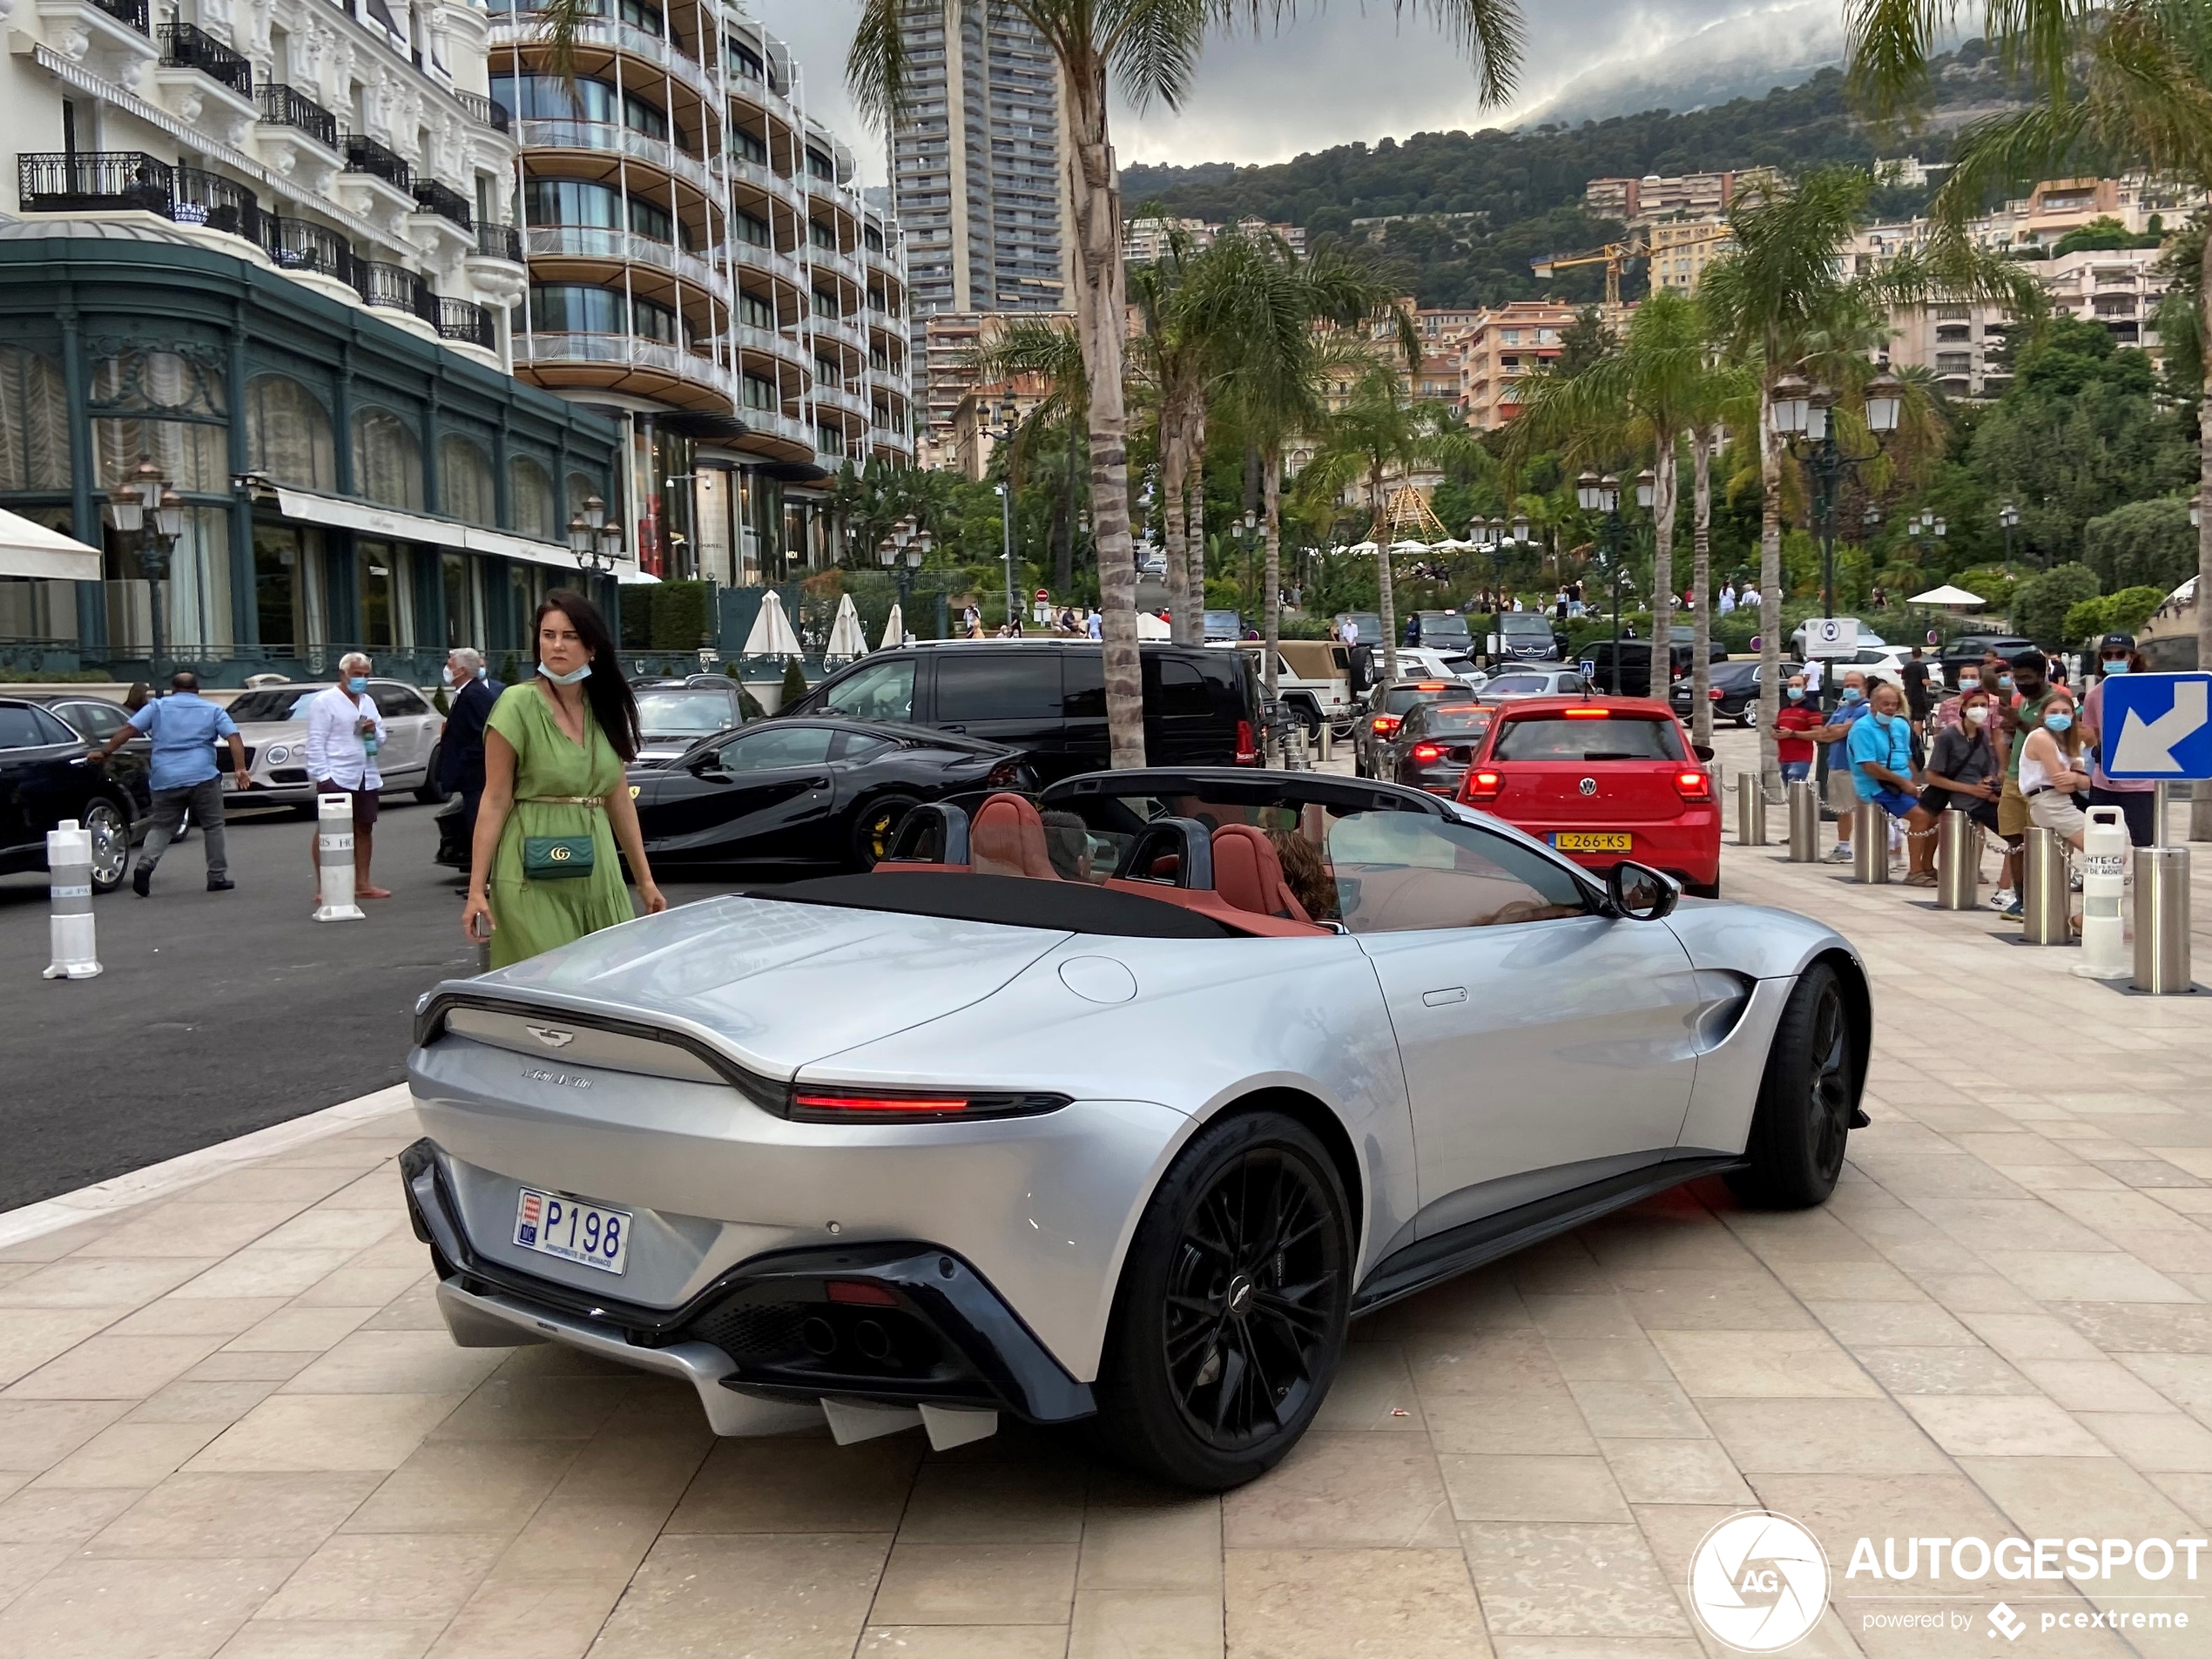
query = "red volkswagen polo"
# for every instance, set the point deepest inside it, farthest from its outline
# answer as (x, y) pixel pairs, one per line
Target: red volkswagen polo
(1603, 778)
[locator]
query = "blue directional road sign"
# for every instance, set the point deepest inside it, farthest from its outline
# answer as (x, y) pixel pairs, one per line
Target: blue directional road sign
(2158, 726)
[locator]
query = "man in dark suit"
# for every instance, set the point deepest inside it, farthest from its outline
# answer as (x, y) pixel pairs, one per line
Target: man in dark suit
(460, 750)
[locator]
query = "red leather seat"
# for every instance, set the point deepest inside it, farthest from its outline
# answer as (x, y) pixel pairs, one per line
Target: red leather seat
(1006, 838)
(1248, 873)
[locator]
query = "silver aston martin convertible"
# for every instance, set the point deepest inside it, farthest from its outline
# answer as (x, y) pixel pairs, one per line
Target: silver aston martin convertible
(1118, 1103)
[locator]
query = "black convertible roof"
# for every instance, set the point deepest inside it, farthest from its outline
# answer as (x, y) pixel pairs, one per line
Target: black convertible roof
(1009, 901)
(1243, 785)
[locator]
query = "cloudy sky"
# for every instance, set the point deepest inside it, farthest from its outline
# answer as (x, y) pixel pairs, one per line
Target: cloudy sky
(1346, 75)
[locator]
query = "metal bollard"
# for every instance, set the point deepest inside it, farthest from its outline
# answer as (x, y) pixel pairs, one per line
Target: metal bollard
(1957, 861)
(69, 866)
(1328, 735)
(1804, 822)
(334, 859)
(2162, 920)
(2044, 897)
(1870, 845)
(2104, 883)
(1751, 811)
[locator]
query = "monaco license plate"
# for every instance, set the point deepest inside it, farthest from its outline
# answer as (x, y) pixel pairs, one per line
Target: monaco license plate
(1592, 840)
(553, 1225)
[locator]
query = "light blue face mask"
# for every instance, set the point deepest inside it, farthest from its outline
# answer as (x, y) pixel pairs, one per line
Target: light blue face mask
(571, 677)
(1851, 694)
(1796, 693)
(357, 686)
(2117, 665)
(2057, 720)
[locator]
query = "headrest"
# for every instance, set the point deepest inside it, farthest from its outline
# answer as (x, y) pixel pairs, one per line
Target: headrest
(1006, 838)
(933, 832)
(1248, 873)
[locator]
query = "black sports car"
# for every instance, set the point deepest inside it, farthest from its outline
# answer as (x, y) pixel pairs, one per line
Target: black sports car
(1734, 690)
(95, 719)
(44, 778)
(800, 791)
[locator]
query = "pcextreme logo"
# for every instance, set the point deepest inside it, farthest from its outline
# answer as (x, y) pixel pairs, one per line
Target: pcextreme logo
(1759, 1581)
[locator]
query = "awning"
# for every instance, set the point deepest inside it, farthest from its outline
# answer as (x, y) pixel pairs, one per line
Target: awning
(339, 513)
(33, 550)
(635, 578)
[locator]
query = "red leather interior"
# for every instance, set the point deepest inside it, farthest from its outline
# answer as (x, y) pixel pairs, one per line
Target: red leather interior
(1006, 837)
(1248, 873)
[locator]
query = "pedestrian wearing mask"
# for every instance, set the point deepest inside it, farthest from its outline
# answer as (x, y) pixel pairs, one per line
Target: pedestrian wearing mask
(185, 727)
(1794, 726)
(1946, 712)
(461, 746)
(1843, 791)
(1880, 750)
(556, 802)
(2022, 691)
(2136, 798)
(2050, 773)
(1962, 772)
(345, 730)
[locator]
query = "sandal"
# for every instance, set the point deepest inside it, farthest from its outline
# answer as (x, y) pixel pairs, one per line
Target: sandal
(1921, 879)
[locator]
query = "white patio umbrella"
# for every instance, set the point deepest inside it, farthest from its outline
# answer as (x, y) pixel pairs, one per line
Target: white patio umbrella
(1409, 546)
(771, 634)
(894, 628)
(1151, 627)
(846, 639)
(1365, 549)
(30, 550)
(1947, 595)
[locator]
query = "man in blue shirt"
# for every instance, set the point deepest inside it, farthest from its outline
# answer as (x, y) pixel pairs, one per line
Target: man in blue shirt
(185, 727)
(1880, 746)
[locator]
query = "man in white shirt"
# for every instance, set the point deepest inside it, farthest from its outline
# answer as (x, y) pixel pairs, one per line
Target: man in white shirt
(345, 730)
(1348, 631)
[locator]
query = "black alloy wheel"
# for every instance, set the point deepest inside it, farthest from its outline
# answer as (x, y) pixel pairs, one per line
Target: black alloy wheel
(1808, 1101)
(875, 825)
(110, 834)
(1229, 1320)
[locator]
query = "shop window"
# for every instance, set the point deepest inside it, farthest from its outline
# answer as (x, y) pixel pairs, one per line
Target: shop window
(529, 492)
(287, 434)
(465, 489)
(34, 422)
(388, 461)
(195, 455)
(163, 382)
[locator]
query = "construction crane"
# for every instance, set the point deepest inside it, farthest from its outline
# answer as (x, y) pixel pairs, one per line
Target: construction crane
(1614, 256)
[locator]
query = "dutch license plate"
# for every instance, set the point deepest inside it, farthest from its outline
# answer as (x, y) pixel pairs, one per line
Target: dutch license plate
(1592, 840)
(553, 1225)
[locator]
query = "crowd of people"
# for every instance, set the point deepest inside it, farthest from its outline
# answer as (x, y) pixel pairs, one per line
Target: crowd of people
(2011, 746)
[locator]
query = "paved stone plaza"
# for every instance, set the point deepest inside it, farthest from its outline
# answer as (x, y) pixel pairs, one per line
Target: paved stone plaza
(232, 1423)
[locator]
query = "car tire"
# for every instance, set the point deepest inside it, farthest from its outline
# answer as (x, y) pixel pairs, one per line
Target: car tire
(1200, 1311)
(874, 826)
(110, 826)
(1749, 717)
(432, 792)
(1808, 1100)
(1703, 889)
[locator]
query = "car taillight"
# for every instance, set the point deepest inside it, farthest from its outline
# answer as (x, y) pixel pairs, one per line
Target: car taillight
(1384, 725)
(1485, 785)
(1588, 714)
(1694, 785)
(860, 1292)
(1713, 692)
(1424, 753)
(1247, 750)
(1004, 775)
(831, 1105)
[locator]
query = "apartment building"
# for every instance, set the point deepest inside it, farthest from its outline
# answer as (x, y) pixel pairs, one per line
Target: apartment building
(1692, 195)
(2120, 288)
(1681, 249)
(1145, 239)
(266, 245)
(704, 268)
(1507, 345)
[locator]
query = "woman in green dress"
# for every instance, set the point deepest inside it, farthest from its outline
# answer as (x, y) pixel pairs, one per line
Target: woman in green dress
(556, 803)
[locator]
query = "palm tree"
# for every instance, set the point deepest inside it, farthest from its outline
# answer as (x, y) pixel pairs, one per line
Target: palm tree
(1149, 49)
(1173, 358)
(1045, 350)
(2125, 86)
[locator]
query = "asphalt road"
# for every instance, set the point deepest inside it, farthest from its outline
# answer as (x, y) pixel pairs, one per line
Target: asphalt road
(218, 1013)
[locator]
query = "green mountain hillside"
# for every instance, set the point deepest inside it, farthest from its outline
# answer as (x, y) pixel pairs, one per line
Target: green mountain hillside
(1525, 188)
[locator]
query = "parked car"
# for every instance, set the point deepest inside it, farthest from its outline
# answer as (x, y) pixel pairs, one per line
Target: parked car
(1389, 707)
(1086, 1115)
(1520, 637)
(1436, 744)
(1432, 662)
(1154, 563)
(271, 722)
(1046, 699)
(98, 718)
(1636, 662)
(801, 791)
(1733, 689)
(1539, 680)
(1368, 622)
(1444, 629)
(1222, 624)
(1601, 781)
(672, 718)
(46, 777)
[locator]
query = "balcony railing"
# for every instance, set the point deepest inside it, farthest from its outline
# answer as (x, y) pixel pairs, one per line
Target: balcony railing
(393, 288)
(499, 242)
(282, 106)
(489, 111)
(131, 11)
(446, 202)
(94, 181)
(202, 197)
(364, 154)
(185, 45)
(472, 324)
(301, 245)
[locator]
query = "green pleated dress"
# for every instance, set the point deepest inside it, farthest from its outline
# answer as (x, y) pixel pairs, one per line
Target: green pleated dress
(530, 917)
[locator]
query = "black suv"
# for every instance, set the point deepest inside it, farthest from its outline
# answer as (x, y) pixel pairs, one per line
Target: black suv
(1635, 672)
(1047, 698)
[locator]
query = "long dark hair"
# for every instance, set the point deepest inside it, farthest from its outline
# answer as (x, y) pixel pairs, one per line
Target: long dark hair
(606, 690)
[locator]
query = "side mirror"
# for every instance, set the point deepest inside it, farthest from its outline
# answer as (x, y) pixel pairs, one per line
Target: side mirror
(1639, 893)
(1702, 750)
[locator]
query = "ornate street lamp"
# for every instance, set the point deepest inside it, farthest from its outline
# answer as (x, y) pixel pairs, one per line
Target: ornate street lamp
(2009, 516)
(144, 504)
(594, 541)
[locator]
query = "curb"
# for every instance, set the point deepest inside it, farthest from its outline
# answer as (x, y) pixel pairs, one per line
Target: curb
(159, 1180)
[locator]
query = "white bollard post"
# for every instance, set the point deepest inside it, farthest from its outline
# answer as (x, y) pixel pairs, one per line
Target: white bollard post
(2104, 878)
(334, 859)
(69, 866)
